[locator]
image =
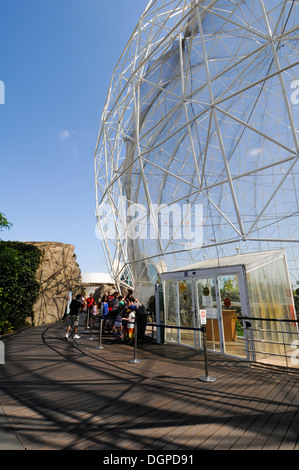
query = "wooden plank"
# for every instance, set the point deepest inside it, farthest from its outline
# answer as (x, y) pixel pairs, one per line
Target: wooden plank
(67, 395)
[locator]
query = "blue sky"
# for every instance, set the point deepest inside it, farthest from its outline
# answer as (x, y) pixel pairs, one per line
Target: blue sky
(56, 62)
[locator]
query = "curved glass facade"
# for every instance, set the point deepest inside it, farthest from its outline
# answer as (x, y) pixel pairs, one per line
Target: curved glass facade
(197, 154)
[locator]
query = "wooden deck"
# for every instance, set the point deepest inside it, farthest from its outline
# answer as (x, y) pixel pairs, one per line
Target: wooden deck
(58, 395)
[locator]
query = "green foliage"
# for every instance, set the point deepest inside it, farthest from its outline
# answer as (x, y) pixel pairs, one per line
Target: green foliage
(231, 291)
(4, 222)
(18, 286)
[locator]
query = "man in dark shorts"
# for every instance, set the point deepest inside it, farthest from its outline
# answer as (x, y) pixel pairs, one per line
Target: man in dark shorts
(75, 308)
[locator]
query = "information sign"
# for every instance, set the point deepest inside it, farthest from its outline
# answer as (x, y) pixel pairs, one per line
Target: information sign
(203, 317)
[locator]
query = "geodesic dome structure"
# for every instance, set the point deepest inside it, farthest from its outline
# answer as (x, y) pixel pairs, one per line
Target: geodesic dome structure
(197, 154)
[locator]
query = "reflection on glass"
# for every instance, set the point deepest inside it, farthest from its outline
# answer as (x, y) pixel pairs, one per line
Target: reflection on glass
(234, 340)
(170, 310)
(207, 301)
(186, 316)
(270, 301)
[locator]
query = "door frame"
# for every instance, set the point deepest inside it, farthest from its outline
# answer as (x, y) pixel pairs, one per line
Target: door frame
(179, 336)
(219, 315)
(214, 273)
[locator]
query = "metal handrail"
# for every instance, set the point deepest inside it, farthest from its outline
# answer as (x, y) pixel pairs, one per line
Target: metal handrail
(265, 352)
(252, 341)
(270, 342)
(251, 349)
(268, 319)
(269, 331)
(163, 325)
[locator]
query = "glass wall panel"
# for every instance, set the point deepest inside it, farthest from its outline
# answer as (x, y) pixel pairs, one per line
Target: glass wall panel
(233, 333)
(170, 335)
(270, 301)
(186, 313)
(206, 289)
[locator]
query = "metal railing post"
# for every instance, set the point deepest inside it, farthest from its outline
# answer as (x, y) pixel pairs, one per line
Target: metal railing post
(207, 377)
(90, 330)
(135, 360)
(284, 345)
(100, 335)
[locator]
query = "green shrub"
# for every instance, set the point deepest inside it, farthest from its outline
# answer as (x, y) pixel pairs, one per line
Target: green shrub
(18, 286)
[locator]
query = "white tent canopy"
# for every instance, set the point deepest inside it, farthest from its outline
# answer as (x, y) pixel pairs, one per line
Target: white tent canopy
(97, 278)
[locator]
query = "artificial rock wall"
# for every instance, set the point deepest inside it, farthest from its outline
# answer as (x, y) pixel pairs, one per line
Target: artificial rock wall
(58, 274)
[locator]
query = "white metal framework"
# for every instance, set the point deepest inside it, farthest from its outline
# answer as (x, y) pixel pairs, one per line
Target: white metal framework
(202, 112)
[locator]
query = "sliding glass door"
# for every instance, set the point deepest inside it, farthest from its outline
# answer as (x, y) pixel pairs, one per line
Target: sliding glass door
(222, 296)
(186, 316)
(231, 311)
(206, 293)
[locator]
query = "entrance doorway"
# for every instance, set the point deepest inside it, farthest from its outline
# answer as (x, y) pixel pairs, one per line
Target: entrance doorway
(206, 299)
(222, 296)
(231, 310)
(186, 318)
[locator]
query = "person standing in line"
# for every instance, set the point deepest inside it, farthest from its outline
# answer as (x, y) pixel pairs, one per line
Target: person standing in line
(131, 324)
(118, 320)
(95, 312)
(75, 308)
(104, 310)
(130, 297)
(89, 304)
(105, 306)
(110, 298)
(114, 311)
(105, 295)
(124, 323)
(140, 320)
(83, 300)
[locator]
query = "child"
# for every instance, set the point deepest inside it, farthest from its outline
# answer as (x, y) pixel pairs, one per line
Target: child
(131, 324)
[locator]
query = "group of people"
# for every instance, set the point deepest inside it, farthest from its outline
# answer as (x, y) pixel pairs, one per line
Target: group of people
(119, 315)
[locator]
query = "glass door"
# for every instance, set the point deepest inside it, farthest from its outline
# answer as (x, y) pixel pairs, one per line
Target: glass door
(224, 299)
(170, 316)
(206, 292)
(231, 309)
(185, 309)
